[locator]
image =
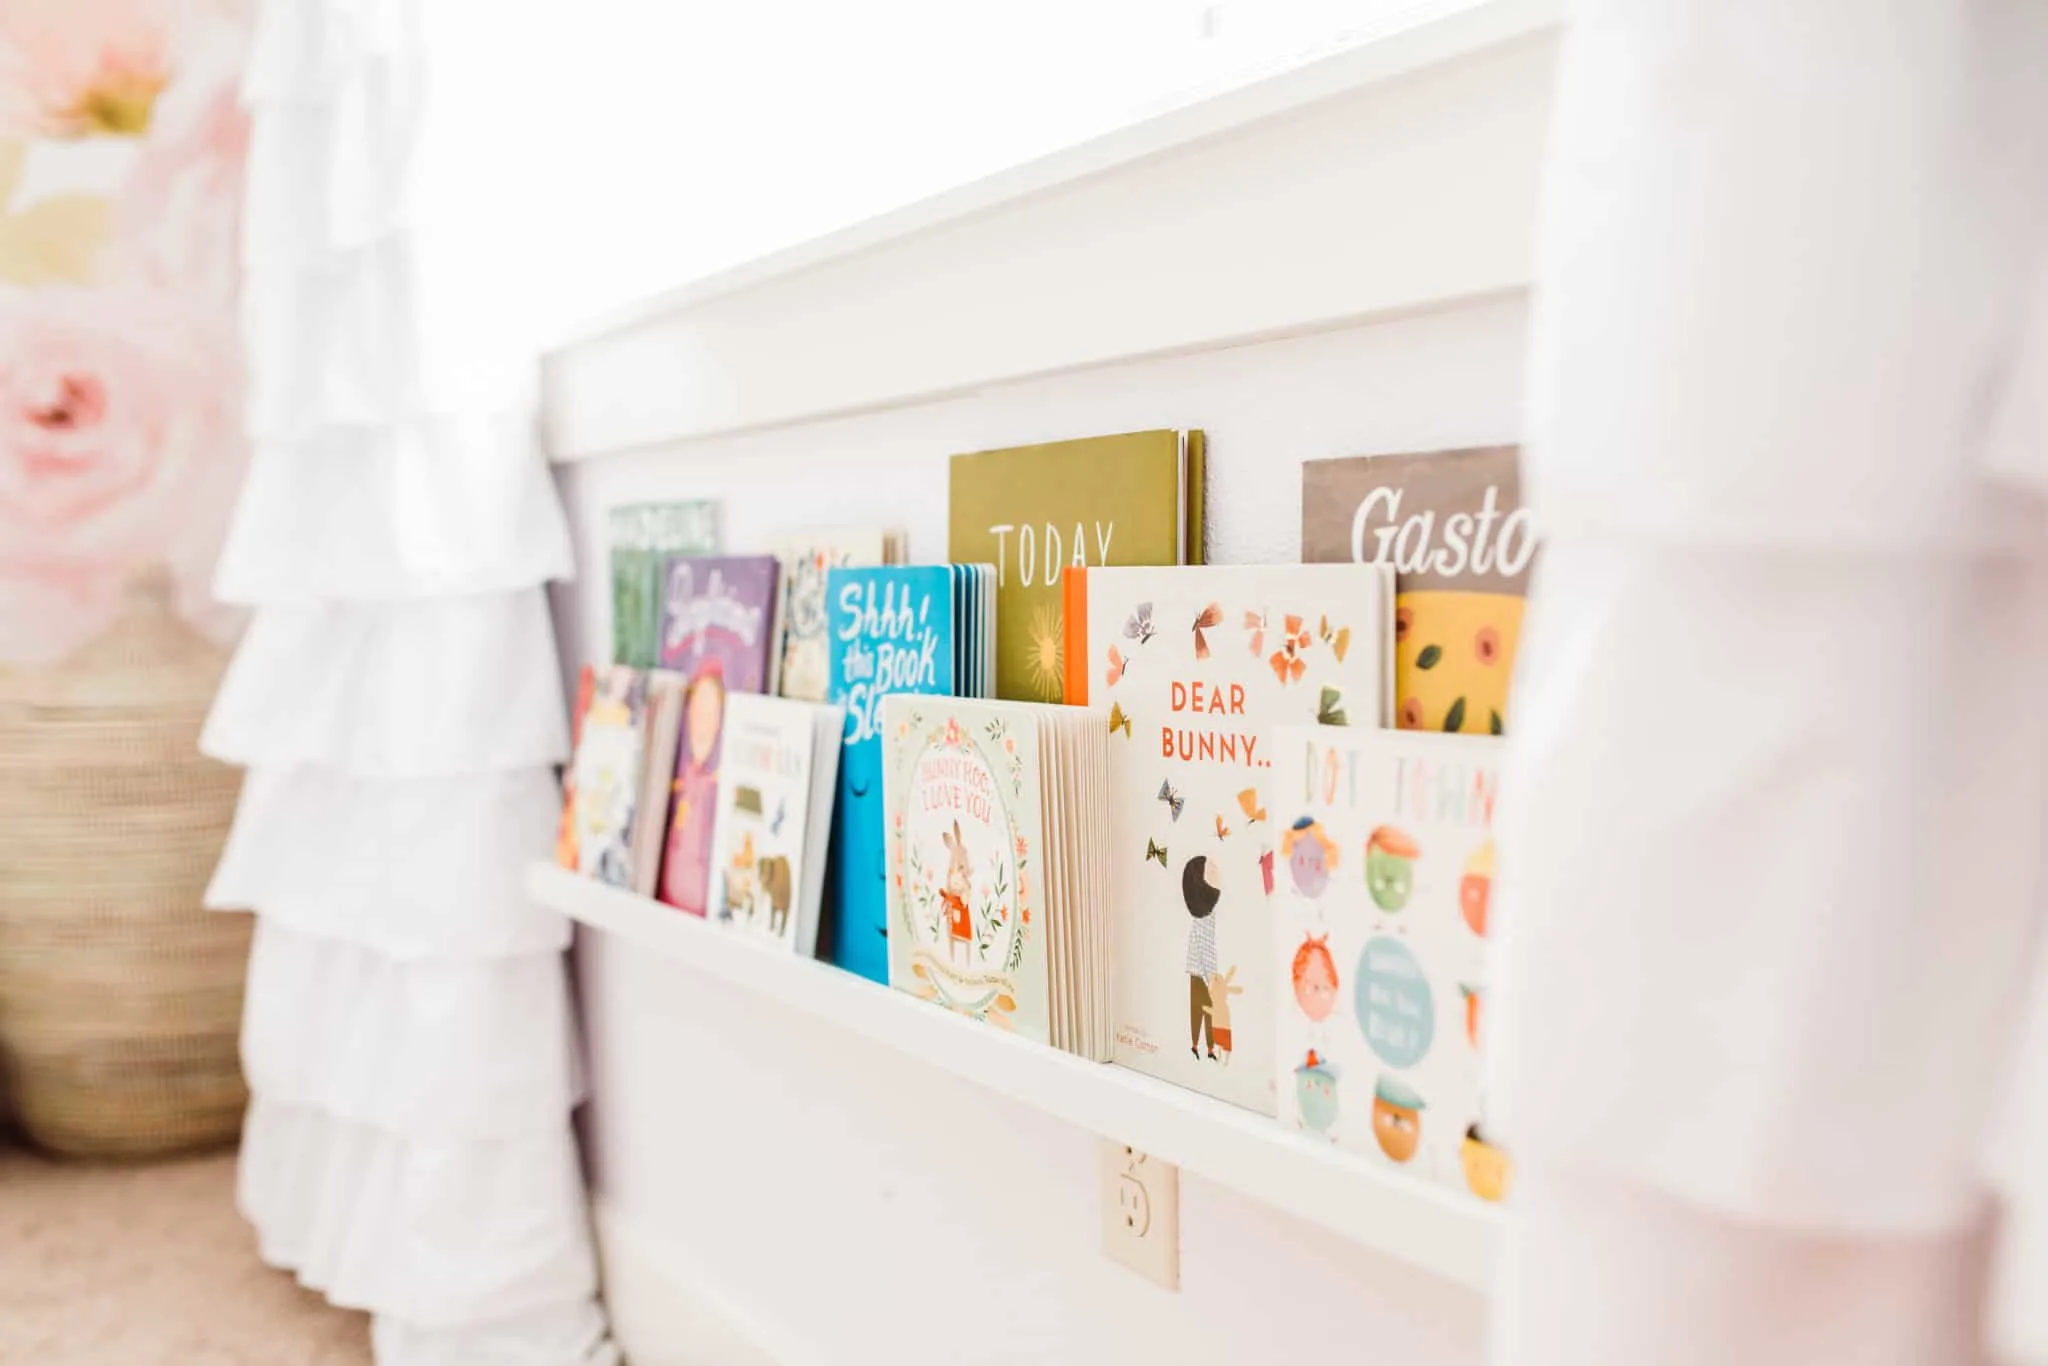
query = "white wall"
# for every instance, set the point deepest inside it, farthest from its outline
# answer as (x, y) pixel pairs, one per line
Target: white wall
(810, 1190)
(675, 137)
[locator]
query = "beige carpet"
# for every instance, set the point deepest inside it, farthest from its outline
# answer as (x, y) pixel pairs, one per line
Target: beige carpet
(149, 1266)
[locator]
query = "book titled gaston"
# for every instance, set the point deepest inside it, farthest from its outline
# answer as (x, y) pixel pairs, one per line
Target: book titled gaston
(1452, 525)
(1379, 949)
(1194, 668)
(899, 629)
(1033, 511)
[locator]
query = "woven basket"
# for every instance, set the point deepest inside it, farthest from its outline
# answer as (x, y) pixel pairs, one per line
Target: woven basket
(120, 998)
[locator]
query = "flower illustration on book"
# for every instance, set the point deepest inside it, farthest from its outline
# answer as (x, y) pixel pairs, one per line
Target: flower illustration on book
(1138, 626)
(1045, 650)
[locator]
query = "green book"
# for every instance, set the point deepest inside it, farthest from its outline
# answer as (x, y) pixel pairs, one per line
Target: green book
(641, 537)
(1036, 511)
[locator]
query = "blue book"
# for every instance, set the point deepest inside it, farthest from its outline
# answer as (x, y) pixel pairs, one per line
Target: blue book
(893, 629)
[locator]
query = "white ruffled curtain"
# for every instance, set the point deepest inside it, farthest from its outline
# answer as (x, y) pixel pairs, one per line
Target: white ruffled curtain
(407, 1036)
(1773, 992)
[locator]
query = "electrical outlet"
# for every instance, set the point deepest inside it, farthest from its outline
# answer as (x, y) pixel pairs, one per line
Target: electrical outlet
(1141, 1213)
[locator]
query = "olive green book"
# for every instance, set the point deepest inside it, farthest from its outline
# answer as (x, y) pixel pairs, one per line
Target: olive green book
(1034, 511)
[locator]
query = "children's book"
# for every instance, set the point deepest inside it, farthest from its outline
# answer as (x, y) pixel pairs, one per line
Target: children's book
(642, 536)
(907, 629)
(775, 790)
(1190, 671)
(1032, 511)
(722, 608)
(1461, 544)
(607, 767)
(806, 560)
(684, 879)
(997, 880)
(664, 719)
(565, 832)
(1379, 945)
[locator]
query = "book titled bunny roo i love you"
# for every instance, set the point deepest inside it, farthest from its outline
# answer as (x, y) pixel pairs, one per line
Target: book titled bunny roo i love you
(997, 865)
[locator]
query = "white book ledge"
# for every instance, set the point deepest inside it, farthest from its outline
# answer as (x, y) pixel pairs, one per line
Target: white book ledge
(1436, 1230)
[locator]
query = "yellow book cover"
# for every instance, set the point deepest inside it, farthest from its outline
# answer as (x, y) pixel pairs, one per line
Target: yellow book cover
(1034, 511)
(1452, 525)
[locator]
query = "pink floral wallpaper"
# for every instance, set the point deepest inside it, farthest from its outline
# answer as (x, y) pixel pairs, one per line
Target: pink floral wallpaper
(121, 159)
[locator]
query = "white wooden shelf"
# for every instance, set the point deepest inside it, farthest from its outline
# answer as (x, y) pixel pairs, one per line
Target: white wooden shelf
(1436, 1230)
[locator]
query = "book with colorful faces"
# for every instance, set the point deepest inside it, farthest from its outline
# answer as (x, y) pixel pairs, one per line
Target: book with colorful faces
(1452, 525)
(607, 766)
(806, 559)
(905, 629)
(998, 870)
(723, 608)
(641, 537)
(774, 816)
(1194, 668)
(1379, 946)
(1033, 511)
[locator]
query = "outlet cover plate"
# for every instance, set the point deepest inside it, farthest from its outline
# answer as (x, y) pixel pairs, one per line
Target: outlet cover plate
(1141, 1213)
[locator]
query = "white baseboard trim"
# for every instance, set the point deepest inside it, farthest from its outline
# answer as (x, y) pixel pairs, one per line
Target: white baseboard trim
(667, 1308)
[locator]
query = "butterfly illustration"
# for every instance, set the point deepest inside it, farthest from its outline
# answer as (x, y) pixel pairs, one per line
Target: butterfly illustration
(1212, 615)
(1117, 664)
(1249, 800)
(1118, 721)
(1339, 640)
(1138, 626)
(1169, 794)
(1286, 662)
(1155, 850)
(781, 812)
(1222, 830)
(1255, 622)
(1330, 708)
(1266, 868)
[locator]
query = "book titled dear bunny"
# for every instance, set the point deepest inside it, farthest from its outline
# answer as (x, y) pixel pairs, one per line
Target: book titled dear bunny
(1193, 668)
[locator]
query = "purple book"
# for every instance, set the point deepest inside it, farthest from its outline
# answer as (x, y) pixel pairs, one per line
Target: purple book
(719, 631)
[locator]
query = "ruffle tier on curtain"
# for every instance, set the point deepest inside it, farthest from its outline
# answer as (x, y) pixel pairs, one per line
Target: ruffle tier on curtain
(407, 1035)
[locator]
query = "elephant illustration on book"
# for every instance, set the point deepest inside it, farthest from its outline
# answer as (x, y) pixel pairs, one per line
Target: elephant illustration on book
(772, 880)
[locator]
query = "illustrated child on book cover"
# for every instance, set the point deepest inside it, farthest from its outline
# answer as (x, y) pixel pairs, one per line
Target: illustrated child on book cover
(1199, 890)
(686, 869)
